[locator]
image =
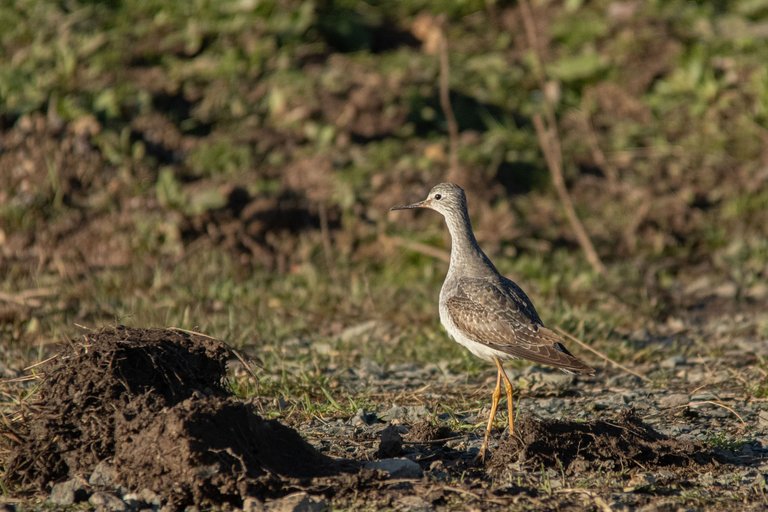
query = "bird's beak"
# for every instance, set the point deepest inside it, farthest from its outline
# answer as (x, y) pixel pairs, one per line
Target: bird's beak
(420, 204)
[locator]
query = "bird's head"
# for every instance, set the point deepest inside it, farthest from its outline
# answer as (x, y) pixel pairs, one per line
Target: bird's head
(445, 198)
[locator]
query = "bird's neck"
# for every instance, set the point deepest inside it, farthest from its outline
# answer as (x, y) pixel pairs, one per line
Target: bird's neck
(466, 254)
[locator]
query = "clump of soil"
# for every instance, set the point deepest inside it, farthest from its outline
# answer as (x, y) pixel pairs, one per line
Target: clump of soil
(153, 403)
(624, 442)
(427, 432)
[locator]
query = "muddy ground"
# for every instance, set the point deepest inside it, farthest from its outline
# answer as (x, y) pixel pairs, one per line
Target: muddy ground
(143, 418)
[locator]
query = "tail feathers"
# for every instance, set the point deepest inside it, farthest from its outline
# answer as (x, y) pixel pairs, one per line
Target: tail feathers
(575, 365)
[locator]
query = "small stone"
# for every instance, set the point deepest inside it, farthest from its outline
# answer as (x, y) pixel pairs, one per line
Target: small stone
(405, 413)
(104, 475)
(141, 499)
(68, 492)
(396, 468)
(362, 418)
(701, 397)
(107, 501)
(762, 418)
(674, 400)
(298, 502)
(673, 362)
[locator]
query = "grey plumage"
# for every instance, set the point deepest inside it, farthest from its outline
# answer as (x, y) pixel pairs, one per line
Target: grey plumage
(480, 308)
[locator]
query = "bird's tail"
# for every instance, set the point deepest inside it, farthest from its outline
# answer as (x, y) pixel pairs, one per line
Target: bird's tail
(569, 363)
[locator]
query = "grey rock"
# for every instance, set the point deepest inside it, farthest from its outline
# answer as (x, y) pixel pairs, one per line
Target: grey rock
(142, 499)
(672, 362)
(68, 492)
(762, 418)
(405, 413)
(673, 400)
(699, 397)
(362, 418)
(7, 507)
(396, 468)
(107, 501)
(298, 502)
(104, 475)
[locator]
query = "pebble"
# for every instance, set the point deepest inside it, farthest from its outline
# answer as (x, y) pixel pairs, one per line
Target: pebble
(142, 499)
(698, 397)
(396, 468)
(363, 418)
(103, 475)
(107, 501)
(673, 400)
(68, 492)
(673, 361)
(762, 418)
(404, 413)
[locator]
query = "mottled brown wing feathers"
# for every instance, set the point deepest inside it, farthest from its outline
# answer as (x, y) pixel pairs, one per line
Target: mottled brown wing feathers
(504, 322)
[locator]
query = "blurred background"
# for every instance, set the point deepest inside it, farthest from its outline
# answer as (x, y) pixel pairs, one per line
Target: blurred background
(227, 166)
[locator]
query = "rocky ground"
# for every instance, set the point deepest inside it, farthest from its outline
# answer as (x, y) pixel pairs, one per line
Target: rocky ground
(130, 419)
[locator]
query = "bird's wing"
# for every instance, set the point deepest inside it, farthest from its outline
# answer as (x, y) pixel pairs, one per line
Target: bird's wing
(503, 318)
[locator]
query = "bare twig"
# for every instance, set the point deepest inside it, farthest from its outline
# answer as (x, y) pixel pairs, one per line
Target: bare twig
(594, 148)
(445, 104)
(718, 404)
(551, 148)
(549, 140)
(40, 363)
(601, 355)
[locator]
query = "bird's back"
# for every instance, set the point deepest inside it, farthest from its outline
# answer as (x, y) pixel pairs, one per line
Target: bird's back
(493, 317)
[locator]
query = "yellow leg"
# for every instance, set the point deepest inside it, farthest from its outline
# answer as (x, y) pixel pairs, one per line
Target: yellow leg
(510, 401)
(494, 405)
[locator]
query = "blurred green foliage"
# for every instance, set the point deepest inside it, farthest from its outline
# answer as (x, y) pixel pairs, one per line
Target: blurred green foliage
(161, 108)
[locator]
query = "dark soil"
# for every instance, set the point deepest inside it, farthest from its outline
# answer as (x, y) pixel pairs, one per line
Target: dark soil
(154, 404)
(624, 442)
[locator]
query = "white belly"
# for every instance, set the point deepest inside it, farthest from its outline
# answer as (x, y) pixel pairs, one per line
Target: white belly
(479, 349)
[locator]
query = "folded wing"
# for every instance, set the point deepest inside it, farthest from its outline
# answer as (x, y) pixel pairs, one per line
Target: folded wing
(501, 316)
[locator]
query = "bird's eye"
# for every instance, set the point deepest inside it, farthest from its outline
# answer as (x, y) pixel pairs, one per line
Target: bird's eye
(438, 196)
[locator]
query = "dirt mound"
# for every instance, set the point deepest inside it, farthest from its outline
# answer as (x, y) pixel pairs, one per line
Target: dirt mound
(624, 442)
(153, 404)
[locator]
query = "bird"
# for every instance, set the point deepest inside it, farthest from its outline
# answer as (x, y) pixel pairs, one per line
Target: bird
(486, 312)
